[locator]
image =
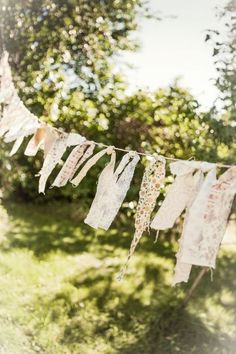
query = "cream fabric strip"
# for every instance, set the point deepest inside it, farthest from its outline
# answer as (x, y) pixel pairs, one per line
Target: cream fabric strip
(181, 189)
(51, 135)
(152, 182)
(111, 191)
(182, 270)
(74, 139)
(55, 145)
(52, 158)
(16, 121)
(71, 164)
(215, 219)
(6, 84)
(190, 237)
(85, 157)
(36, 142)
(16, 145)
(76, 181)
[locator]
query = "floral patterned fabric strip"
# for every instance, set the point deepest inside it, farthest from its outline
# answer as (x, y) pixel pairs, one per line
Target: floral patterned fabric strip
(72, 163)
(152, 182)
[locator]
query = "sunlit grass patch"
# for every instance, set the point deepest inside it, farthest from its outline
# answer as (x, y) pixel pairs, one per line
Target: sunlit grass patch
(59, 287)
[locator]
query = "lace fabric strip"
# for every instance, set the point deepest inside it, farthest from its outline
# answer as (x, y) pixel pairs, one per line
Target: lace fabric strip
(111, 191)
(152, 181)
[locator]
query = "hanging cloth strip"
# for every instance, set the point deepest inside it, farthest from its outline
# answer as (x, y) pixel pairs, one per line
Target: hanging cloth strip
(16, 120)
(181, 190)
(215, 216)
(111, 191)
(92, 161)
(76, 158)
(194, 218)
(7, 88)
(152, 182)
(36, 142)
(55, 145)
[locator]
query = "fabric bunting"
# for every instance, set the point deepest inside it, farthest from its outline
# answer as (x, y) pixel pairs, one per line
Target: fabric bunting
(195, 192)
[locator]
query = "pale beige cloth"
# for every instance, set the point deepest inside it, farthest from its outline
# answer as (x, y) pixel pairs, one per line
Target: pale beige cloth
(214, 221)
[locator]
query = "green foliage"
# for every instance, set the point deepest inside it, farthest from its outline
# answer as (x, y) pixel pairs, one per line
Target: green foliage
(224, 52)
(63, 54)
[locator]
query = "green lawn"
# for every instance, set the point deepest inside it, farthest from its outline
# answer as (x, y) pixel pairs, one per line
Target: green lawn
(59, 293)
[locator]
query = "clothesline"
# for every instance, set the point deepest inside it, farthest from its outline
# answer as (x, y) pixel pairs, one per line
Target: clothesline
(205, 198)
(219, 165)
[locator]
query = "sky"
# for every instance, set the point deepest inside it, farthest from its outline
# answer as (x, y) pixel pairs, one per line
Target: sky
(175, 47)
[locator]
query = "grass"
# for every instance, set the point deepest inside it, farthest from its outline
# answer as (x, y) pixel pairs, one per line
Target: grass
(59, 293)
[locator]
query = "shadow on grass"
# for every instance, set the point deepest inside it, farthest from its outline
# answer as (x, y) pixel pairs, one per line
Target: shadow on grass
(119, 314)
(47, 228)
(142, 315)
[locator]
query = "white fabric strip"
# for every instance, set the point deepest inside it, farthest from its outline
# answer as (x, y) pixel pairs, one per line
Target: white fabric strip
(215, 219)
(16, 122)
(16, 145)
(76, 181)
(111, 191)
(52, 158)
(6, 85)
(181, 189)
(190, 238)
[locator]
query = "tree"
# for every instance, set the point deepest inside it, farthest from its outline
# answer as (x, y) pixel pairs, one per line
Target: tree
(224, 52)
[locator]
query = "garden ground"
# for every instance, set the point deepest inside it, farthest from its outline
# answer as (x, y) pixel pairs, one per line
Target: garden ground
(59, 292)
